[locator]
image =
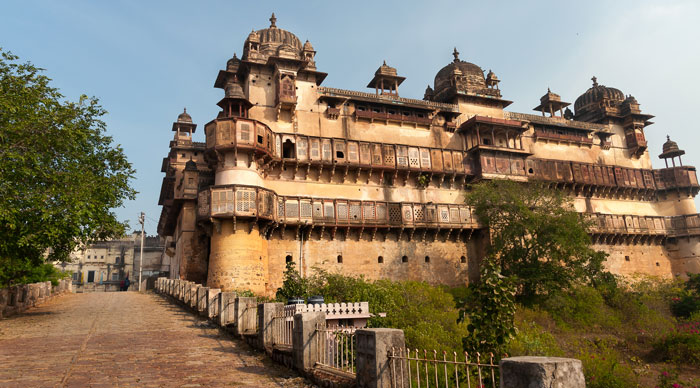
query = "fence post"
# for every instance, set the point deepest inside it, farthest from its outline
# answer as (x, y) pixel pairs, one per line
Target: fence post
(525, 372)
(227, 312)
(194, 290)
(213, 302)
(266, 315)
(202, 297)
(304, 338)
(373, 363)
(245, 319)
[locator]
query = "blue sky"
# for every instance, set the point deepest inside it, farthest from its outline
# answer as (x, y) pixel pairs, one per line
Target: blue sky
(146, 60)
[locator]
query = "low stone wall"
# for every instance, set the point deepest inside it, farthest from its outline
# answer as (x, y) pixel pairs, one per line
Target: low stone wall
(373, 348)
(16, 299)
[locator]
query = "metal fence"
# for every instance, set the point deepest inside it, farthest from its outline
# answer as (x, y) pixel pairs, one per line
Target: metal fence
(336, 348)
(415, 368)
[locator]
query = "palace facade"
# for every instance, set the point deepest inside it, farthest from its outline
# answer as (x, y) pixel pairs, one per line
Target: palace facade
(368, 182)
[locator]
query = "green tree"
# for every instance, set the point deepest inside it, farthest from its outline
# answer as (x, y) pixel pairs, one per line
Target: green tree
(60, 174)
(536, 236)
(293, 285)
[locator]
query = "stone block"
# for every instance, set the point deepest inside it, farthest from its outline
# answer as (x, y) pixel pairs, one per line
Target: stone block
(373, 347)
(202, 297)
(246, 315)
(194, 290)
(227, 307)
(304, 337)
(213, 303)
(266, 313)
(541, 372)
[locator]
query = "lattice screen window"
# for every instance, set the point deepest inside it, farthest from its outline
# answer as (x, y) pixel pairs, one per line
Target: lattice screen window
(355, 212)
(464, 215)
(365, 154)
(657, 224)
(305, 209)
(377, 155)
(329, 210)
(388, 152)
(302, 146)
(315, 149)
(327, 151)
(436, 159)
(339, 150)
(643, 223)
(368, 210)
(318, 210)
(245, 201)
(402, 156)
(419, 213)
(424, 158)
(454, 215)
(278, 147)
(261, 203)
(353, 153)
(407, 211)
(280, 208)
(395, 214)
(430, 213)
(244, 134)
(292, 208)
(381, 212)
(342, 211)
(413, 158)
(444, 214)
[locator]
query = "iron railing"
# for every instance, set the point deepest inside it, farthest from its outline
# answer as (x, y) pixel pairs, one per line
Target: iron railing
(415, 368)
(336, 348)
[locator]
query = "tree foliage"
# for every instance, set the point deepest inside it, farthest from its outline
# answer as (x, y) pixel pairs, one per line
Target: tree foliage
(536, 236)
(60, 174)
(491, 312)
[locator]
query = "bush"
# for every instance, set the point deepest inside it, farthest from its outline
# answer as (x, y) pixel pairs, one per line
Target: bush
(685, 306)
(682, 347)
(582, 306)
(30, 273)
(603, 368)
(532, 340)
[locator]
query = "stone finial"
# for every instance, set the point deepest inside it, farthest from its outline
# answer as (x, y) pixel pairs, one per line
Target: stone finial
(455, 53)
(668, 138)
(549, 90)
(595, 81)
(273, 20)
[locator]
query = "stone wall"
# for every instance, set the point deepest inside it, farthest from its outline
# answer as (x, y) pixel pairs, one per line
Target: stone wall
(16, 299)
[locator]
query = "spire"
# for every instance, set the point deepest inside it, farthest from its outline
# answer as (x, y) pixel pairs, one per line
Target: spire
(455, 53)
(595, 81)
(273, 20)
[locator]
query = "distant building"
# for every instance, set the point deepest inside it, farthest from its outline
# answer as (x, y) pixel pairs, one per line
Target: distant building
(372, 183)
(104, 264)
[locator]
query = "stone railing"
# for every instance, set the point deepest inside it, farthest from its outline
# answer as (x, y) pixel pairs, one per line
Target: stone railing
(388, 99)
(362, 357)
(555, 121)
(16, 299)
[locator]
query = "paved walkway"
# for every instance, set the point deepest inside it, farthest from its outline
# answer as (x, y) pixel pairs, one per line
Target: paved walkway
(127, 339)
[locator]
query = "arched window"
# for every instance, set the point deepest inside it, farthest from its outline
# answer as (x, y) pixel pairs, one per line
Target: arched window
(288, 151)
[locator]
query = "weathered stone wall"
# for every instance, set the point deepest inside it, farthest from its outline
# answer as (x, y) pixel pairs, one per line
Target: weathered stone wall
(16, 299)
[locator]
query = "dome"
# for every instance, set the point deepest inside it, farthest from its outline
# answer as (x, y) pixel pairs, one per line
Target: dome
(308, 46)
(233, 63)
(253, 37)
(670, 149)
(272, 37)
(595, 94)
(234, 90)
(184, 117)
(473, 74)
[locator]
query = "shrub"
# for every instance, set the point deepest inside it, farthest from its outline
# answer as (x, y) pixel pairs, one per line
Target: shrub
(682, 347)
(582, 306)
(532, 340)
(603, 369)
(685, 305)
